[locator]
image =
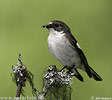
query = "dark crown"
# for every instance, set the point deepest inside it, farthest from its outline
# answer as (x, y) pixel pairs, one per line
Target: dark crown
(60, 26)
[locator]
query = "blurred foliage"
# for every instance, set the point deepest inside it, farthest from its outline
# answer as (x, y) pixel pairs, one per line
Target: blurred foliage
(21, 32)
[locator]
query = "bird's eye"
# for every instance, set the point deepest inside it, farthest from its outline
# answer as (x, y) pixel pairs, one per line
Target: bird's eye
(56, 25)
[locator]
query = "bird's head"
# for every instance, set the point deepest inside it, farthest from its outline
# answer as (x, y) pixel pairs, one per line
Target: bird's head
(57, 26)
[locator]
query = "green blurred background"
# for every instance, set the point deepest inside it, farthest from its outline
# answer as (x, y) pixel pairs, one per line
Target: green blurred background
(21, 32)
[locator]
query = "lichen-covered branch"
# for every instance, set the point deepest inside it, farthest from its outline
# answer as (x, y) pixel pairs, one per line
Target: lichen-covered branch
(56, 83)
(20, 75)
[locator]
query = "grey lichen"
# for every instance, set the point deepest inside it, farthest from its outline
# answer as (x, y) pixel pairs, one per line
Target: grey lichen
(55, 76)
(56, 85)
(20, 75)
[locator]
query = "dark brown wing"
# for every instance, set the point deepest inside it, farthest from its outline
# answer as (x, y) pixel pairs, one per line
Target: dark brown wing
(73, 41)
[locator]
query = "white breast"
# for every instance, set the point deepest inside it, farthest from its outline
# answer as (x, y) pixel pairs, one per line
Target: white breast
(60, 47)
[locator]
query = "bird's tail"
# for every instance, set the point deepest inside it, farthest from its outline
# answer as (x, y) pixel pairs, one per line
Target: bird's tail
(95, 75)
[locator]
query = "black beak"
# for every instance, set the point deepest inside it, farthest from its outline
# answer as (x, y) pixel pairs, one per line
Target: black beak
(44, 26)
(47, 26)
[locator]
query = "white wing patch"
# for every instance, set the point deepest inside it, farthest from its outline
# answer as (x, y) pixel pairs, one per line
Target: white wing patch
(78, 45)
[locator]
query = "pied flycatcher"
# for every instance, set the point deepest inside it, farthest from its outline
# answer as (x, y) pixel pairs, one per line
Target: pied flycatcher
(65, 48)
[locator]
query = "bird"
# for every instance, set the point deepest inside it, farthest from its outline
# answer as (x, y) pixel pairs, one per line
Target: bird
(65, 48)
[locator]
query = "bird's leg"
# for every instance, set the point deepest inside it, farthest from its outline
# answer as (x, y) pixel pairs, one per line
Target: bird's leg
(70, 69)
(73, 66)
(63, 68)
